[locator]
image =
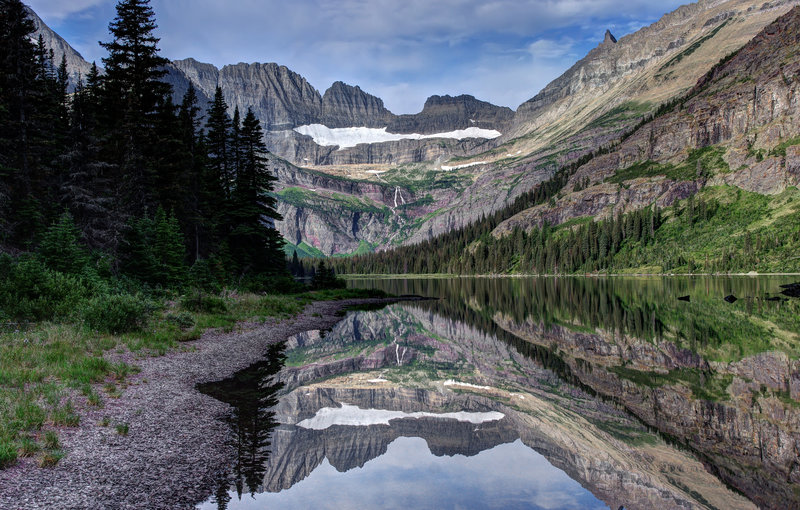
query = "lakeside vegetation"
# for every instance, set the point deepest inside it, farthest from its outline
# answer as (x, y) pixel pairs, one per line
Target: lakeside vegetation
(721, 229)
(126, 226)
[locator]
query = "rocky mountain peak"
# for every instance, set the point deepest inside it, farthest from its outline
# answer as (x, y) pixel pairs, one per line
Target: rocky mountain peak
(448, 113)
(609, 38)
(344, 105)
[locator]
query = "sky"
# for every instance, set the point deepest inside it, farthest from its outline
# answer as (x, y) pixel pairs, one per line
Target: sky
(403, 51)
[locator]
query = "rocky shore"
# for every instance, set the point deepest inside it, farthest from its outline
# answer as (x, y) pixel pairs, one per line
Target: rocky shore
(176, 441)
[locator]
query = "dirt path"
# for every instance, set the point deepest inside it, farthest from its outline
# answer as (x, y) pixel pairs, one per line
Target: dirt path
(177, 442)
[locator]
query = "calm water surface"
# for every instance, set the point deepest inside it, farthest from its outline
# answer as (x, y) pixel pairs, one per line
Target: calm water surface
(529, 393)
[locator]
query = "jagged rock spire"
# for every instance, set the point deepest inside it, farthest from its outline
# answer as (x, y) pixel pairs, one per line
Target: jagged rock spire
(609, 38)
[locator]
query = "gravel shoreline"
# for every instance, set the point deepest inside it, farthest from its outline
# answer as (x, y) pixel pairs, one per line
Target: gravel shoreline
(177, 442)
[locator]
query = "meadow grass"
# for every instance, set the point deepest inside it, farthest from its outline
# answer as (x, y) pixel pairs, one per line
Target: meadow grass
(44, 368)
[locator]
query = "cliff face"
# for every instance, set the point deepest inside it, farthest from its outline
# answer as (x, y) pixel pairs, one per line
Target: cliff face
(334, 215)
(345, 106)
(445, 113)
(76, 65)
(743, 108)
(652, 65)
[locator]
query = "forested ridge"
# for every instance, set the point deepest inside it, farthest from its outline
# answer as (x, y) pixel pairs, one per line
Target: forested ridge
(716, 229)
(112, 188)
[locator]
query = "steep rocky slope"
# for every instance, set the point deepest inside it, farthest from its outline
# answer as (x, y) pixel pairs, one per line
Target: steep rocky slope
(594, 104)
(76, 64)
(652, 65)
(738, 126)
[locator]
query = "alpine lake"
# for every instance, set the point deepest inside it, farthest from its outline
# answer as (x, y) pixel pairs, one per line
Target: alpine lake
(535, 393)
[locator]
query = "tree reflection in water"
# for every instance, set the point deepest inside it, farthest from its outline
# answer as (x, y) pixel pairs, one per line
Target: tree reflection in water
(252, 394)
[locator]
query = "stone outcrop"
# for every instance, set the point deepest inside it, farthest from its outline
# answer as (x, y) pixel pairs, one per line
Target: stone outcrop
(283, 100)
(655, 63)
(346, 106)
(445, 113)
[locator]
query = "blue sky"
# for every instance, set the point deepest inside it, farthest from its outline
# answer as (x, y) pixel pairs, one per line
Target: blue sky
(502, 51)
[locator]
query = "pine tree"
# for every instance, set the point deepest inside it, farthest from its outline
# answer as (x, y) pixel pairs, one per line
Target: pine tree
(218, 142)
(257, 246)
(132, 90)
(27, 91)
(61, 249)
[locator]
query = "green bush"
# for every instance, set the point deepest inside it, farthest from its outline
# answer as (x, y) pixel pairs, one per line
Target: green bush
(61, 249)
(8, 454)
(183, 320)
(204, 304)
(120, 313)
(31, 291)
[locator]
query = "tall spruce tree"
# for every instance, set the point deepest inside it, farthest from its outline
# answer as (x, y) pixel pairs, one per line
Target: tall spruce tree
(132, 92)
(257, 246)
(218, 142)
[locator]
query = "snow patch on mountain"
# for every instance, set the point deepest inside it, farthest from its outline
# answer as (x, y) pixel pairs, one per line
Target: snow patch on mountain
(352, 136)
(354, 416)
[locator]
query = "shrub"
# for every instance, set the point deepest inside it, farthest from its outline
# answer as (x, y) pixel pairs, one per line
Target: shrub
(31, 291)
(183, 320)
(205, 304)
(120, 313)
(8, 454)
(60, 247)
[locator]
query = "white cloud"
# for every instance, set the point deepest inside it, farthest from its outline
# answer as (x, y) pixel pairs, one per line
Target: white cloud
(549, 49)
(502, 51)
(60, 9)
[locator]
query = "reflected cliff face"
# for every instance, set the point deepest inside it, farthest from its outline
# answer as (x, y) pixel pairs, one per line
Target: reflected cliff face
(567, 382)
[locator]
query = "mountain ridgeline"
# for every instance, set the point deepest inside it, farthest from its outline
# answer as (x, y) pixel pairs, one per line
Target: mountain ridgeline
(590, 133)
(725, 158)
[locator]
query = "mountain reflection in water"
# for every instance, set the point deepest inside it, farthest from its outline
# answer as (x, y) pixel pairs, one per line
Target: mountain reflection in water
(596, 380)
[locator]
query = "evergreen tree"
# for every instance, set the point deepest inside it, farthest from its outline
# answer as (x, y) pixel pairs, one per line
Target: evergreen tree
(218, 142)
(132, 91)
(256, 245)
(28, 93)
(60, 248)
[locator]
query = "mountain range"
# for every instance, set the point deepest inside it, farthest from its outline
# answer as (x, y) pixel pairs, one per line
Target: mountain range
(354, 177)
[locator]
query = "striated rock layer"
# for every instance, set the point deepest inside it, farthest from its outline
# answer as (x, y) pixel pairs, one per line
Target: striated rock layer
(748, 103)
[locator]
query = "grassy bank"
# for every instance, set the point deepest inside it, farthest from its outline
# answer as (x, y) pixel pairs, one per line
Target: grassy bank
(50, 368)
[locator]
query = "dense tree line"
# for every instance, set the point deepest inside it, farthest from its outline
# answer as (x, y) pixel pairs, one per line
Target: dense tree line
(649, 237)
(116, 178)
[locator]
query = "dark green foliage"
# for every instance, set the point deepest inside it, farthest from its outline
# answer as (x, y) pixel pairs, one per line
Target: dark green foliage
(118, 313)
(30, 291)
(325, 278)
(154, 251)
(206, 304)
(60, 248)
(123, 174)
(255, 244)
(718, 230)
